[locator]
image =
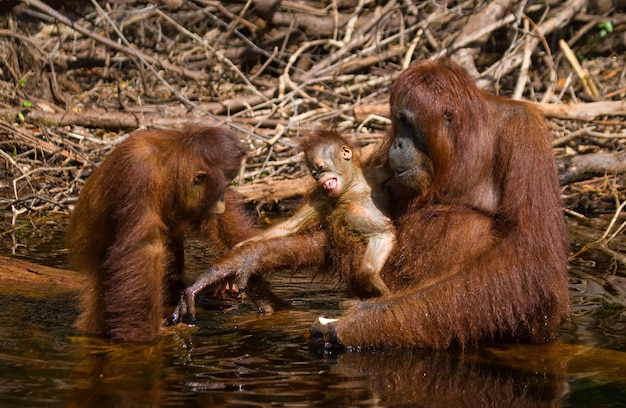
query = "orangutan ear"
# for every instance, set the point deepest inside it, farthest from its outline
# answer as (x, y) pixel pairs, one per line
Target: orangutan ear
(346, 152)
(199, 177)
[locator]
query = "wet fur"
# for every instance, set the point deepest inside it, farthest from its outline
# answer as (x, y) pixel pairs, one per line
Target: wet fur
(128, 229)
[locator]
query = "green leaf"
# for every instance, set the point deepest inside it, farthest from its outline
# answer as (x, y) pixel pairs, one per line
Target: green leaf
(605, 28)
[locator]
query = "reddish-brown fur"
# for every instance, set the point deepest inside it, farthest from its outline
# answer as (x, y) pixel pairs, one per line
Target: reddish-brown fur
(128, 229)
(482, 246)
(330, 231)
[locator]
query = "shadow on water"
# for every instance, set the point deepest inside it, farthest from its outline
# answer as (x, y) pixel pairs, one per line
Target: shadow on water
(238, 358)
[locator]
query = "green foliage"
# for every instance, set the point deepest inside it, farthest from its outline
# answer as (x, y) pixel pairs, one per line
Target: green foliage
(605, 28)
(27, 104)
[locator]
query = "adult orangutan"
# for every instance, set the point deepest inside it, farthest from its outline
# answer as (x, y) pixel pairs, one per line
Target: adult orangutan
(481, 249)
(129, 226)
(482, 246)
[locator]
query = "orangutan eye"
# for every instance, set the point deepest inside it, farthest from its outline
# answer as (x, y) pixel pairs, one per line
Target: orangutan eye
(447, 117)
(317, 172)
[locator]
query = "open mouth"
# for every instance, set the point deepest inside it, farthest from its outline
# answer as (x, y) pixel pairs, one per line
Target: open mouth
(329, 184)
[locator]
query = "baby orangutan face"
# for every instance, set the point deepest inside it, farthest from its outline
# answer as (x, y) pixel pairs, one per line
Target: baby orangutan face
(331, 167)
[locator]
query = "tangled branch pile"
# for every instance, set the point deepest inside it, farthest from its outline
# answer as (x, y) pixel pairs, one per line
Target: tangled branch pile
(76, 77)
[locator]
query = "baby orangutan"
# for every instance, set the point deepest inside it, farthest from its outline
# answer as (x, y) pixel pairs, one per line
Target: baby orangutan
(344, 224)
(360, 210)
(356, 210)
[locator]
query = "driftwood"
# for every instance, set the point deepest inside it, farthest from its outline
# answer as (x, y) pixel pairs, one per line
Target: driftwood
(586, 166)
(96, 119)
(174, 116)
(37, 281)
(157, 117)
(276, 190)
(77, 80)
(572, 111)
(161, 63)
(583, 111)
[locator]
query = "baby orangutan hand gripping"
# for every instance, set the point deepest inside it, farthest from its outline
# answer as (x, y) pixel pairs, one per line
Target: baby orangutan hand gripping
(344, 225)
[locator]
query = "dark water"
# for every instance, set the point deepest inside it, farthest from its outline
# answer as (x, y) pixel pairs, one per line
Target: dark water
(239, 358)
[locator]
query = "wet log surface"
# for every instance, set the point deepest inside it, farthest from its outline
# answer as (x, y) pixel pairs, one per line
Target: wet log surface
(29, 279)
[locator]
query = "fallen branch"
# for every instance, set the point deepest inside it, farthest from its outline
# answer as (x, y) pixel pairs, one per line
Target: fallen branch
(95, 119)
(583, 74)
(583, 111)
(275, 190)
(321, 25)
(477, 32)
(33, 280)
(195, 75)
(560, 17)
(575, 111)
(586, 166)
(162, 117)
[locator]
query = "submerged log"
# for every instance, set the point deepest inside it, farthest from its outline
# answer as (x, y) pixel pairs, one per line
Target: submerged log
(28, 279)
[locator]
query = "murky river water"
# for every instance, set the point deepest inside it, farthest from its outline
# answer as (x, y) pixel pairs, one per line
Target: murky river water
(238, 358)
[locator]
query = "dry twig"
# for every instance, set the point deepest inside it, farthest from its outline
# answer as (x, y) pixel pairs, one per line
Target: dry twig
(270, 70)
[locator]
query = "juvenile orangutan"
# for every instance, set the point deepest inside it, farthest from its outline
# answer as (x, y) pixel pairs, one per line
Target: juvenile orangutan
(128, 229)
(343, 225)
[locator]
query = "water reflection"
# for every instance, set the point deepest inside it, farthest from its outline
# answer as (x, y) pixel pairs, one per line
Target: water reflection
(112, 375)
(597, 286)
(449, 379)
(238, 358)
(286, 372)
